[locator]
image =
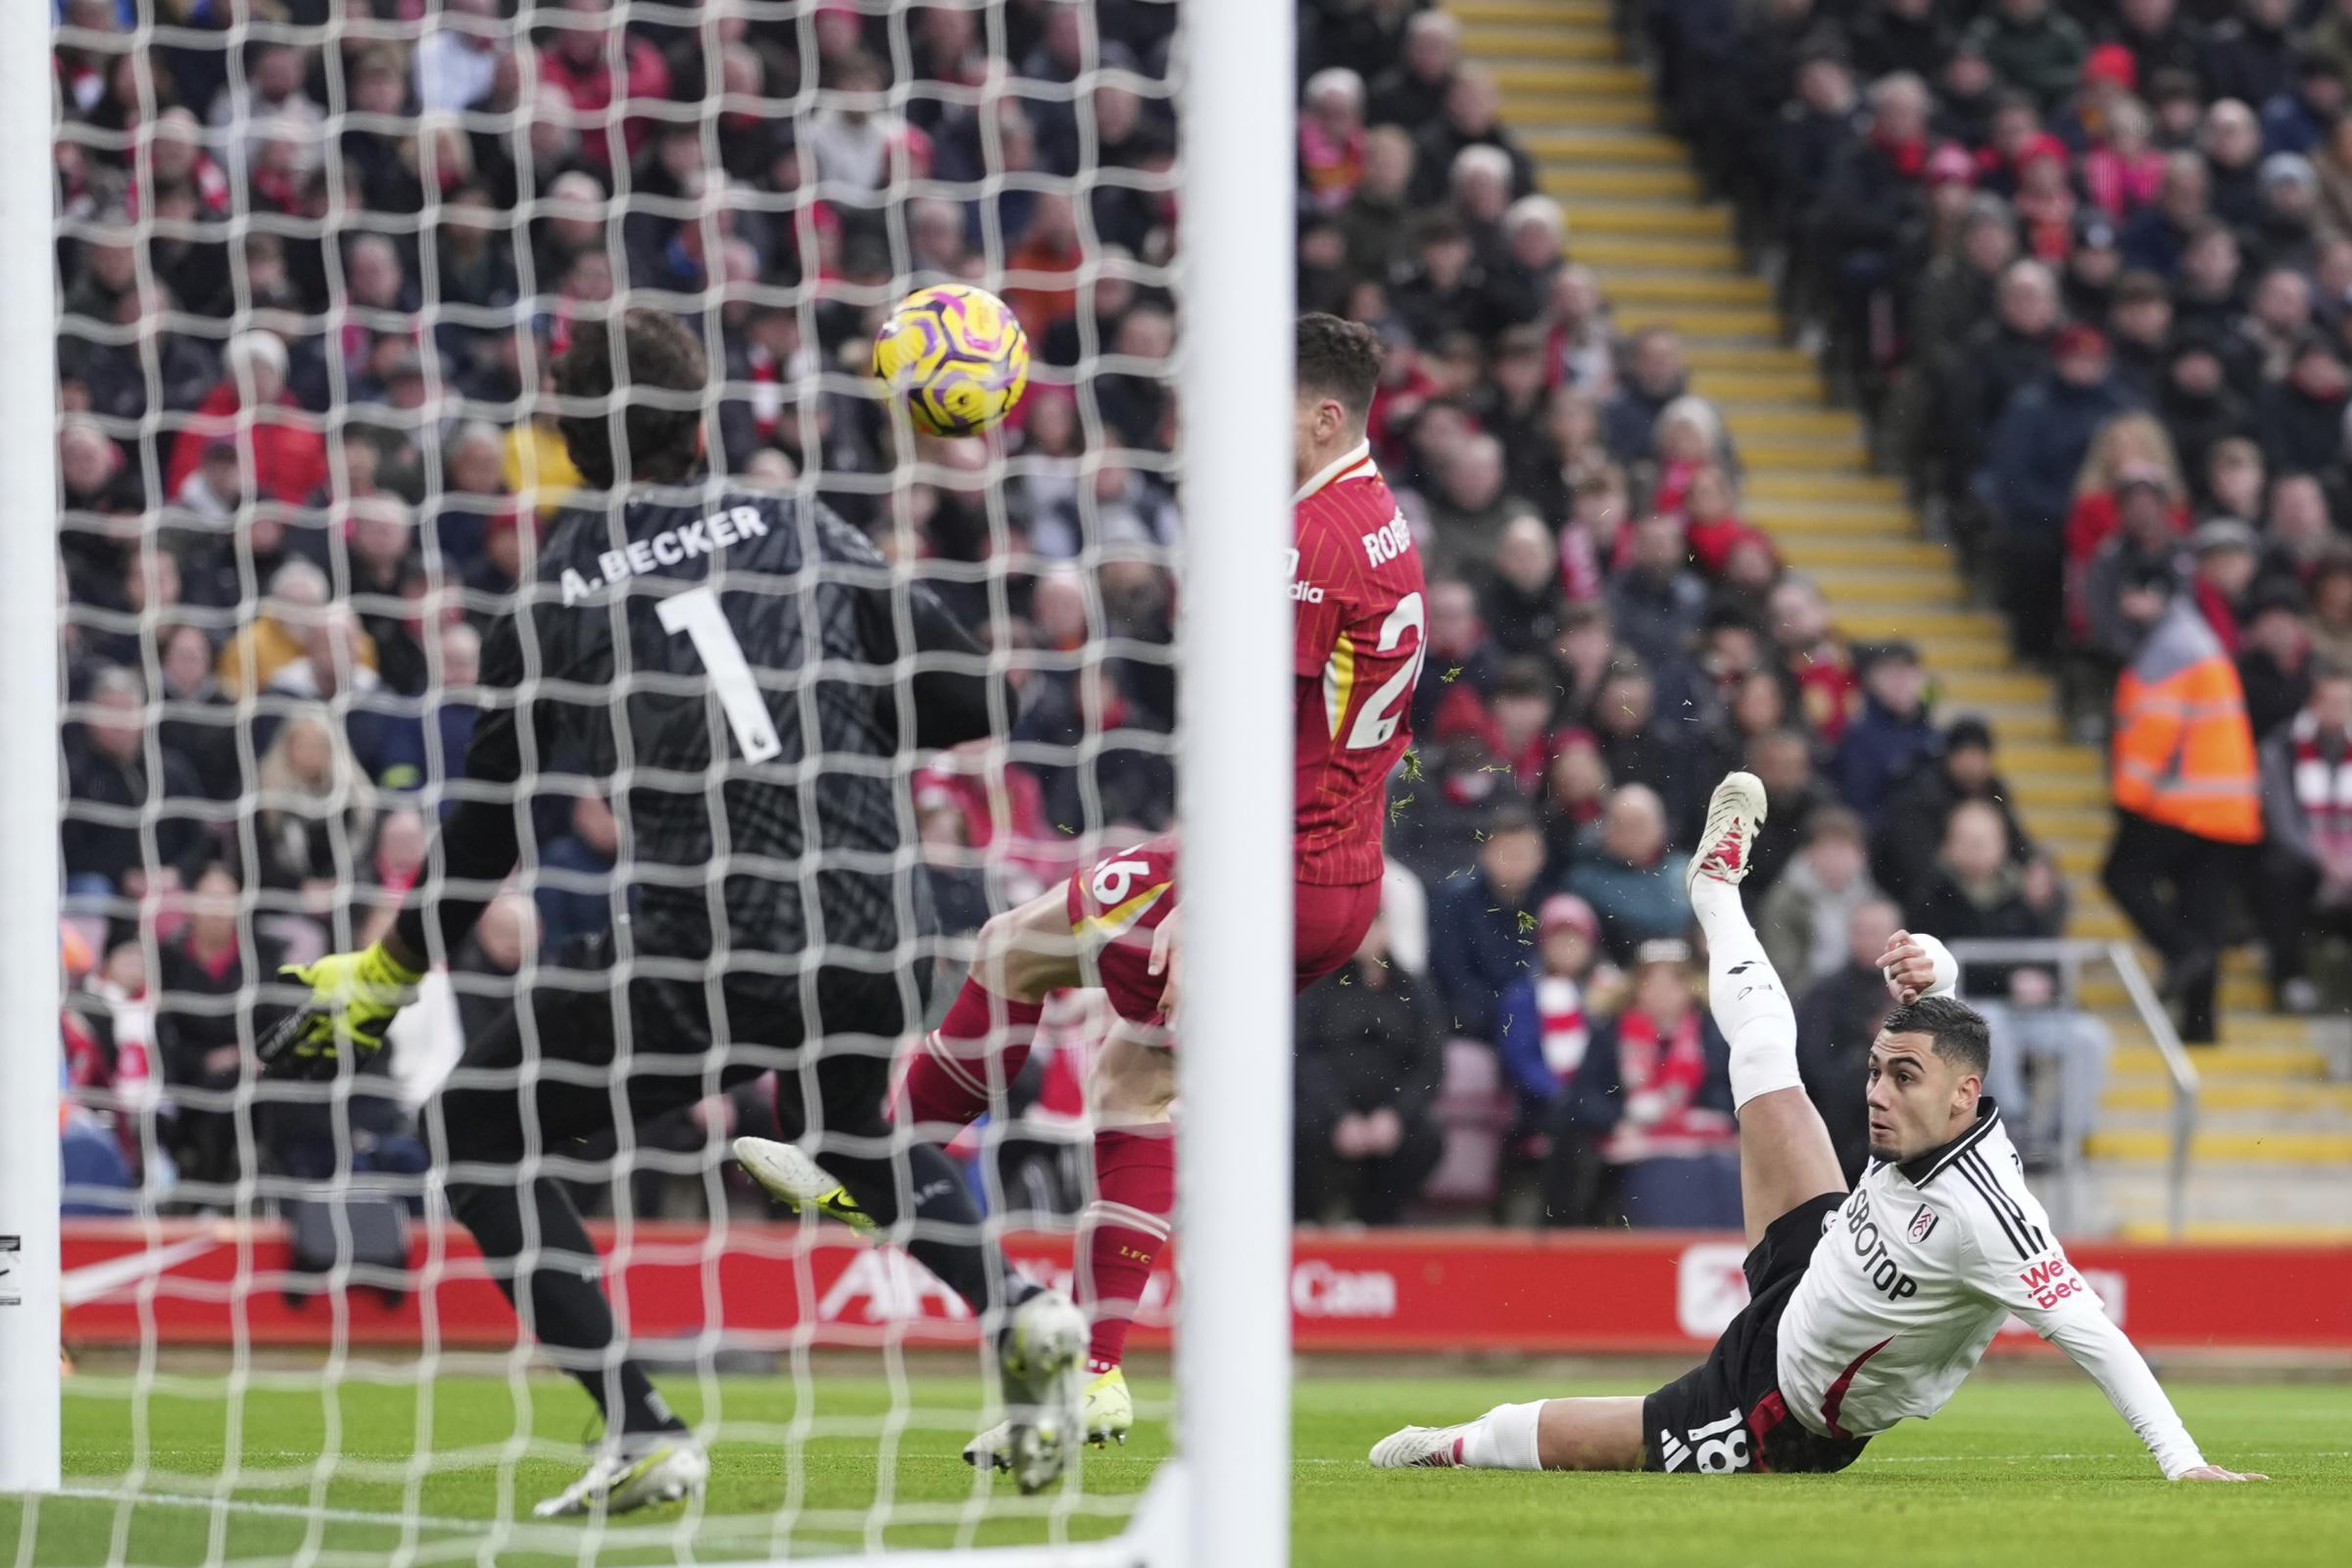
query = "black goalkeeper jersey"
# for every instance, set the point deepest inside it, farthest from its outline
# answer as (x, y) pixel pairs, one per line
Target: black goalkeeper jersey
(749, 676)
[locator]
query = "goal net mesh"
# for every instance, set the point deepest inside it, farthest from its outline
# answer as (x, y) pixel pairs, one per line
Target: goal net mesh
(317, 257)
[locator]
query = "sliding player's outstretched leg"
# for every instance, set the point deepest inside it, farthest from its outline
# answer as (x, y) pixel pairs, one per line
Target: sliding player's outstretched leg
(1785, 1151)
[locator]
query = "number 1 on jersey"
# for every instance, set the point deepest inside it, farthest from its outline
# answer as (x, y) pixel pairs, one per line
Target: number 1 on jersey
(696, 612)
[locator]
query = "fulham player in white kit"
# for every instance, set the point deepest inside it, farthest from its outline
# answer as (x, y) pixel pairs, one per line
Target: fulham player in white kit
(1865, 1306)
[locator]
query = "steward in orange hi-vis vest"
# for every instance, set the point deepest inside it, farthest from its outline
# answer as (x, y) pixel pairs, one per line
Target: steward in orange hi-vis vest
(2183, 751)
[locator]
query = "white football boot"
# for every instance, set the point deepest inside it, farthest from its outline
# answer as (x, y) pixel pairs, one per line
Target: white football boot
(1727, 844)
(1421, 1448)
(798, 1181)
(1106, 1417)
(1039, 1357)
(642, 1472)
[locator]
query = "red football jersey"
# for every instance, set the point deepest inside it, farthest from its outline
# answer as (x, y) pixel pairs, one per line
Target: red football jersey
(1355, 579)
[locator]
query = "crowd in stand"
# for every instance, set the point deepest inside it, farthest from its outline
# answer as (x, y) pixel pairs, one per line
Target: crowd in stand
(306, 462)
(2089, 268)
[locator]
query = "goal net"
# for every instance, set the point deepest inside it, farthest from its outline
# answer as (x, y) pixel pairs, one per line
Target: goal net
(316, 260)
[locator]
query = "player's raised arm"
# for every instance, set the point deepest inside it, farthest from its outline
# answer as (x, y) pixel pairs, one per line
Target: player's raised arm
(2011, 1258)
(355, 995)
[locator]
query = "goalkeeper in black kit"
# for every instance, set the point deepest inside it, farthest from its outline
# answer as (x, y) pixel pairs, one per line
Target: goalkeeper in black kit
(749, 675)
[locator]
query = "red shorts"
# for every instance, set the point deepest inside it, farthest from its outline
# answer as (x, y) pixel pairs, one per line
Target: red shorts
(1118, 904)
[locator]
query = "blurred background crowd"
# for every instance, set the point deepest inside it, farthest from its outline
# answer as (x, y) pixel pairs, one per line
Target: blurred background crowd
(312, 282)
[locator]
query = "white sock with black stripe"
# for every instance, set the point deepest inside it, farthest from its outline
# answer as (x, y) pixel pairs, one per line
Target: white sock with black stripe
(1746, 996)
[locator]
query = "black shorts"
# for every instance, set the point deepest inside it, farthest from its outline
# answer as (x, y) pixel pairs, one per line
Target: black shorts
(587, 1051)
(1726, 1415)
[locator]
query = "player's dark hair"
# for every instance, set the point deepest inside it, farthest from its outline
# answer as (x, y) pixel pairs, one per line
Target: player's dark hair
(660, 354)
(1338, 359)
(1956, 1029)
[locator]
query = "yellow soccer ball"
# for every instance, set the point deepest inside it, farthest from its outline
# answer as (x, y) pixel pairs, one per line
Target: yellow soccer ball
(956, 356)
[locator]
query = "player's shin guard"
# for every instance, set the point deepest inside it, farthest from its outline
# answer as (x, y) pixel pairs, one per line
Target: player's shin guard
(981, 1044)
(1746, 996)
(1125, 1228)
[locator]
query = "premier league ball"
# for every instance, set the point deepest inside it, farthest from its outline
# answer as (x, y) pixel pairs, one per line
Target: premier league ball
(956, 356)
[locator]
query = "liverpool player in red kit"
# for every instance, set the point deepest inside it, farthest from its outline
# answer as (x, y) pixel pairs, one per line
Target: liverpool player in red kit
(1355, 578)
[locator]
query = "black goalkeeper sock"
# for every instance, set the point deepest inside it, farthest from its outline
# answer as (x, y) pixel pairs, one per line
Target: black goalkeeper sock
(971, 1267)
(569, 1311)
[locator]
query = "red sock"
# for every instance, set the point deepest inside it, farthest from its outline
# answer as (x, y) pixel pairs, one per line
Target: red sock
(1126, 1226)
(949, 1081)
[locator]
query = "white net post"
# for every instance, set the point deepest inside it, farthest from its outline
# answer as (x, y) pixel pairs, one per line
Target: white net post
(29, 1434)
(1232, 1367)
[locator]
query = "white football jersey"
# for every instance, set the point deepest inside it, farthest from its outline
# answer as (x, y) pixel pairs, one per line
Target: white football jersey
(1915, 1274)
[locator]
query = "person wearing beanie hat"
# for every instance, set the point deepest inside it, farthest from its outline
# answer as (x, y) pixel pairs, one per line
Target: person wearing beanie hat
(2298, 120)
(1903, 849)
(1546, 1018)
(2274, 661)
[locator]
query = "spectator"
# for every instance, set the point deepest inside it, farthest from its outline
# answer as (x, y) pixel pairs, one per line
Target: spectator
(200, 1029)
(2275, 661)
(1413, 91)
(1893, 731)
(457, 61)
(1523, 608)
(2031, 46)
(1979, 891)
(312, 813)
(578, 61)
(1655, 376)
(2038, 449)
(1631, 875)
(1377, 216)
(1655, 600)
(2145, 552)
(1803, 921)
(1548, 1018)
(1654, 1096)
(1912, 825)
(1369, 1060)
(1481, 927)
(2251, 57)
(2225, 551)
(1782, 761)
(2187, 800)
(2306, 872)
(1470, 511)
(1472, 116)
(113, 779)
(1835, 1024)
(289, 456)
(2301, 416)
(574, 895)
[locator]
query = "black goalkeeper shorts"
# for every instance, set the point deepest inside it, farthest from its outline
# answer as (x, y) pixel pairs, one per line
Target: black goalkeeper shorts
(1726, 1415)
(587, 1050)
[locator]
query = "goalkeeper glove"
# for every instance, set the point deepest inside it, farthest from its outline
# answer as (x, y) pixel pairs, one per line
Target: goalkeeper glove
(354, 997)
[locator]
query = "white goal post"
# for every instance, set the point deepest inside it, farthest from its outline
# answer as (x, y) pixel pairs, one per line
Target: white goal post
(29, 1434)
(1225, 1500)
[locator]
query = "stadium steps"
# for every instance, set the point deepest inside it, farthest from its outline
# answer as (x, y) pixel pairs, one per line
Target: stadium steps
(1638, 216)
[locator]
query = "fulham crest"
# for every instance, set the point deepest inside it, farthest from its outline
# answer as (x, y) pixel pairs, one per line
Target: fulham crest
(1922, 1223)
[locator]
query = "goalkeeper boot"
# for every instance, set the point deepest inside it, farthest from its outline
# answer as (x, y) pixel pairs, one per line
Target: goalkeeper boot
(1039, 1356)
(1106, 1417)
(1421, 1448)
(647, 1471)
(798, 1182)
(1727, 844)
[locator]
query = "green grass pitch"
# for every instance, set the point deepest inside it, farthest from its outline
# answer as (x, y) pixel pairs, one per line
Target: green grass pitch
(2017, 1470)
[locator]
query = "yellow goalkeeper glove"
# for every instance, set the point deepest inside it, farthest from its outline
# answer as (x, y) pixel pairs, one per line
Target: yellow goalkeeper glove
(354, 997)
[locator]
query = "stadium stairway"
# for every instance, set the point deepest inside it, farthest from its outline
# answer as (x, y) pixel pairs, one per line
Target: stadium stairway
(2277, 1100)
